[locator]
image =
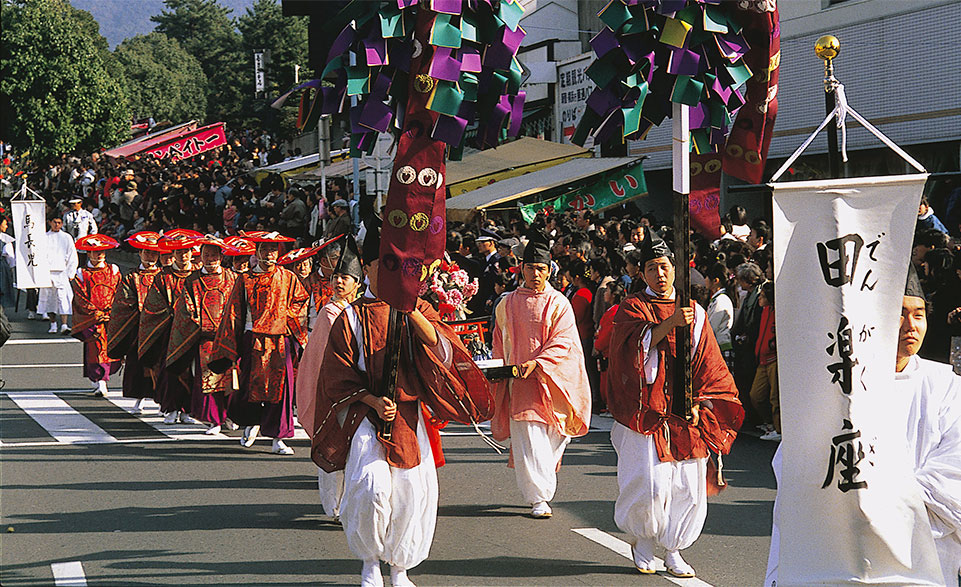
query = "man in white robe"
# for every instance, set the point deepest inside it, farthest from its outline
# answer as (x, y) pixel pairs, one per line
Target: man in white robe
(930, 396)
(62, 260)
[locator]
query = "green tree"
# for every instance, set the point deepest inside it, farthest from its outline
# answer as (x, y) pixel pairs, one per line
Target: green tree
(205, 30)
(265, 27)
(58, 92)
(170, 82)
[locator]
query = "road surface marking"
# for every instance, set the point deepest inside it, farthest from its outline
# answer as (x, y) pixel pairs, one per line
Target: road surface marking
(624, 549)
(40, 341)
(59, 419)
(44, 365)
(68, 574)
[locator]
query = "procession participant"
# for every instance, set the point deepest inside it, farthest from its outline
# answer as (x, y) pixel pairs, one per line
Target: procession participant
(93, 292)
(239, 253)
(78, 222)
(196, 319)
(264, 326)
(155, 322)
(57, 299)
(551, 401)
(300, 261)
(389, 504)
(166, 257)
(125, 318)
(662, 458)
(346, 279)
(930, 399)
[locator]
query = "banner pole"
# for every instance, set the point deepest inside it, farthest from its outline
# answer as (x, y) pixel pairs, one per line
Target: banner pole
(827, 48)
(682, 404)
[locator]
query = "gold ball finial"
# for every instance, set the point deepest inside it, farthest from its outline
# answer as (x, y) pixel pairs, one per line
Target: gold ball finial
(827, 47)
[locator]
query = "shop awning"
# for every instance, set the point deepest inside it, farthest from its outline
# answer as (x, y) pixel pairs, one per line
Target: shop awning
(525, 155)
(150, 140)
(505, 193)
(304, 163)
(341, 168)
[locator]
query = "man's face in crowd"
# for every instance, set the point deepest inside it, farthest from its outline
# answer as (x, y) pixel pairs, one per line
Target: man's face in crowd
(560, 248)
(166, 259)
(302, 268)
(914, 324)
(344, 286)
(485, 247)
(211, 256)
(582, 222)
(148, 258)
(56, 224)
(183, 257)
(267, 253)
(659, 275)
(754, 240)
(241, 263)
(536, 275)
(917, 254)
(637, 235)
(96, 258)
(75, 206)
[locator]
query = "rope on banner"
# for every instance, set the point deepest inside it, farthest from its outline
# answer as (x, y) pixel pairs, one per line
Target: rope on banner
(840, 112)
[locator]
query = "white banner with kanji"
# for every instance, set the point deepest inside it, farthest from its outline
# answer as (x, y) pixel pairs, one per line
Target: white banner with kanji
(849, 510)
(30, 231)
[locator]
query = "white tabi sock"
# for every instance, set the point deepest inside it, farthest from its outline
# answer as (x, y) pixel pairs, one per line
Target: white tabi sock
(399, 578)
(676, 565)
(643, 554)
(370, 575)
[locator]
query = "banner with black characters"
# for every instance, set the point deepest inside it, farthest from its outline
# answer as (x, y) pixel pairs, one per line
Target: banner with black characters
(848, 508)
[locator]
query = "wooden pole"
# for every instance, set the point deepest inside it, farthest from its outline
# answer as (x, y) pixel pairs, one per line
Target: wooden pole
(683, 399)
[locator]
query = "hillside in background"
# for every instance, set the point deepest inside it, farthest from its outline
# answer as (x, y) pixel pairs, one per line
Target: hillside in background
(120, 19)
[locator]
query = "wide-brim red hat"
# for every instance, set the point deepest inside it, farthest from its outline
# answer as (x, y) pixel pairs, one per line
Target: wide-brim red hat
(213, 241)
(96, 242)
(269, 237)
(170, 243)
(146, 240)
(177, 232)
(239, 246)
(297, 255)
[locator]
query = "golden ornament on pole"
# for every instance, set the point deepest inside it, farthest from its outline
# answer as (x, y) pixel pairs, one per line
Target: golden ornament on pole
(827, 47)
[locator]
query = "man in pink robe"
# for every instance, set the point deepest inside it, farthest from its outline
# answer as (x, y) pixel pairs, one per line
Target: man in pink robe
(344, 281)
(551, 400)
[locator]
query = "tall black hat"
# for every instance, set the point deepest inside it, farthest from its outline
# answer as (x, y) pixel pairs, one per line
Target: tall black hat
(537, 249)
(654, 247)
(349, 262)
(912, 288)
(371, 250)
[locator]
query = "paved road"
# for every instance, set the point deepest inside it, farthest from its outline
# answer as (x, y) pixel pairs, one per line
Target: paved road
(90, 488)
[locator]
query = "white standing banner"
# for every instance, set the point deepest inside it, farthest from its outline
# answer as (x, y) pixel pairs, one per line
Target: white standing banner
(849, 510)
(30, 230)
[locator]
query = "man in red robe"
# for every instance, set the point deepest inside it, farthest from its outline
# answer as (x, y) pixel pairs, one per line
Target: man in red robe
(389, 503)
(93, 290)
(155, 322)
(264, 326)
(125, 318)
(196, 319)
(239, 253)
(662, 457)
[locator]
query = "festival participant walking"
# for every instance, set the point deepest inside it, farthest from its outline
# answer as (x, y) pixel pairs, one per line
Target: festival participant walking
(93, 293)
(551, 401)
(155, 322)
(122, 330)
(196, 319)
(662, 458)
(62, 261)
(239, 253)
(928, 394)
(389, 505)
(264, 326)
(346, 279)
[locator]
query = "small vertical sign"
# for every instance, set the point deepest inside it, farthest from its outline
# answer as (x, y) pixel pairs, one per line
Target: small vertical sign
(260, 78)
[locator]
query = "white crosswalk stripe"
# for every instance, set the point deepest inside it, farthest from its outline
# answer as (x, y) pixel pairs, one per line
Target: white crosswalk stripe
(59, 419)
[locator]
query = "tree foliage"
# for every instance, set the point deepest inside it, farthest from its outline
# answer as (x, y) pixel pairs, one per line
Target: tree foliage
(58, 93)
(205, 30)
(264, 26)
(169, 82)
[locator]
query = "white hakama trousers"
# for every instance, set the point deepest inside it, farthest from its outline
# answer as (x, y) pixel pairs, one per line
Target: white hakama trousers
(57, 299)
(537, 450)
(331, 486)
(666, 502)
(388, 513)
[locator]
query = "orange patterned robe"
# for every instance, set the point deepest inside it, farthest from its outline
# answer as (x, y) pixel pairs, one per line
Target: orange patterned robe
(93, 293)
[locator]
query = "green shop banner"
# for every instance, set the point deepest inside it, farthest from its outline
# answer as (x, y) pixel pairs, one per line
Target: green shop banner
(613, 188)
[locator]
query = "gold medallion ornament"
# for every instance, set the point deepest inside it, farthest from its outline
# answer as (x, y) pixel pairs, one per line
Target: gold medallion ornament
(423, 83)
(433, 266)
(419, 222)
(397, 218)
